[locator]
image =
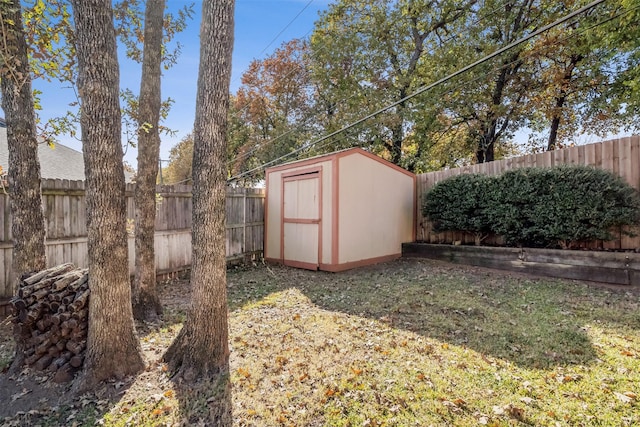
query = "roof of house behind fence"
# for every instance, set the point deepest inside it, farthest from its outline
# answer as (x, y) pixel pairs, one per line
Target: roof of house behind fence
(58, 162)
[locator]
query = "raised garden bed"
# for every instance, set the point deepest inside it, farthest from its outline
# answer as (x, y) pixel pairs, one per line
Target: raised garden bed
(619, 268)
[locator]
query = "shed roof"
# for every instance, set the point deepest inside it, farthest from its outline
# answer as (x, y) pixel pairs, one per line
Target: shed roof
(337, 154)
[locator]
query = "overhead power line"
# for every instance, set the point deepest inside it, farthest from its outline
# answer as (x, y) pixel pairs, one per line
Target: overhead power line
(282, 31)
(262, 145)
(453, 89)
(428, 87)
(285, 28)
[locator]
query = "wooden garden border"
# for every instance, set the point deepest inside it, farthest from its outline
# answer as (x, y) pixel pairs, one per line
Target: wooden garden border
(618, 268)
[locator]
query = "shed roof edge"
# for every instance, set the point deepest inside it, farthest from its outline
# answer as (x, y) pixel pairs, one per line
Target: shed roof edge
(337, 155)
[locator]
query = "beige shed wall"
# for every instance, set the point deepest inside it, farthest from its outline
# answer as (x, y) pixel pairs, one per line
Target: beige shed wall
(272, 244)
(376, 205)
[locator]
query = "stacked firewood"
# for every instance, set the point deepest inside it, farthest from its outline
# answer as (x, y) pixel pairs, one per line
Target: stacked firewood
(50, 315)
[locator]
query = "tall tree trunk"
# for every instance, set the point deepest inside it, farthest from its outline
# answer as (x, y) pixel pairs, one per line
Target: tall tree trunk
(555, 123)
(486, 150)
(27, 224)
(519, 15)
(560, 99)
(146, 304)
(113, 349)
(397, 136)
(201, 349)
(397, 130)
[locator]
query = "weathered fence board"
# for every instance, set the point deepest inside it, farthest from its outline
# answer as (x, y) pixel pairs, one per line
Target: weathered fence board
(621, 156)
(65, 219)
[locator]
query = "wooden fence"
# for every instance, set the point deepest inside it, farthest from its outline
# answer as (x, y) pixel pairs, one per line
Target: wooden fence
(621, 156)
(65, 218)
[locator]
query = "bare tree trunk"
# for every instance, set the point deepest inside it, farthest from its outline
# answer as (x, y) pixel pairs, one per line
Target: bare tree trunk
(397, 131)
(555, 125)
(560, 99)
(201, 350)
(27, 224)
(113, 349)
(146, 304)
(486, 148)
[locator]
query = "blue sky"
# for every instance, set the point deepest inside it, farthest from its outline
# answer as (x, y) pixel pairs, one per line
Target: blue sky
(257, 24)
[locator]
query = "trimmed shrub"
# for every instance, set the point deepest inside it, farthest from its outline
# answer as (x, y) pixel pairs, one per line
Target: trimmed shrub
(459, 204)
(561, 205)
(539, 207)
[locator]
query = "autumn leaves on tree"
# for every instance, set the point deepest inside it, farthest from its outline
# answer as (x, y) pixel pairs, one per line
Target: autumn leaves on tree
(577, 78)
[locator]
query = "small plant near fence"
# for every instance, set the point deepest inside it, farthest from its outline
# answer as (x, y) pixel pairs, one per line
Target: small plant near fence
(535, 207)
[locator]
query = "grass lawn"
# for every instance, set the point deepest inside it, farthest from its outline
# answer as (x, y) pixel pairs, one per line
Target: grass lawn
(406, 343)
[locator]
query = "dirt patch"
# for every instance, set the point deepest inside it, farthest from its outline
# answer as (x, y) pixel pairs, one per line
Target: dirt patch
(27, 390)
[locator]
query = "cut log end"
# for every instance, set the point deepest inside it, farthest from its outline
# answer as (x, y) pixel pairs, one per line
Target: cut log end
(50, 317)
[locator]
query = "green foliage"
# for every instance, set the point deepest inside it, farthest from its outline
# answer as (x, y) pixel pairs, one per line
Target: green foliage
(50, 35)
(180, 162)
(581, 77)
(129, 22)
(623, 95)
(565, 204)
(130, 103)
(459, 204)
(536, 206)
(367, 54)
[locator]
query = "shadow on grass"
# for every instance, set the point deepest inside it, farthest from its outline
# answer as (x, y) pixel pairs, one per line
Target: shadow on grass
(28, 401)
(205, 402)
(246, 285)
(534, 323)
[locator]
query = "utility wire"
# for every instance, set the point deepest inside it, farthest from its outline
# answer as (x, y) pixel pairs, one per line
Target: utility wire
(572, 35)
(428, 87)
(506, 65)
(248, 153)
(285, 28)
(561, 39)
(264, 144)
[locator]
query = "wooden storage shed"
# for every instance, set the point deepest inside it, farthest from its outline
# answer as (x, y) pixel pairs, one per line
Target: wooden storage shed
(338, 211)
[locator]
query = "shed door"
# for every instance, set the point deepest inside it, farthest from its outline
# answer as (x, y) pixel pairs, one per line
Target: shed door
(301, 220)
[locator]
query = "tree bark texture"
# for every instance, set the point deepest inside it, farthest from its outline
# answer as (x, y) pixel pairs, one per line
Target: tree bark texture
(491, 131)
(555, 123)
(486, 149)
(146, 303)
(113, 349)
(201, 350)
(24, 167)
(27, 225)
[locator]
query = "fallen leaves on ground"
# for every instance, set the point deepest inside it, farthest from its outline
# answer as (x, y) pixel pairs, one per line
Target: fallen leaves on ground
(410, 342)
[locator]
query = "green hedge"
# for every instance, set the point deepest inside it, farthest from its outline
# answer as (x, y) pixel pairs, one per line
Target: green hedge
(535, 206)
(459, 204)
